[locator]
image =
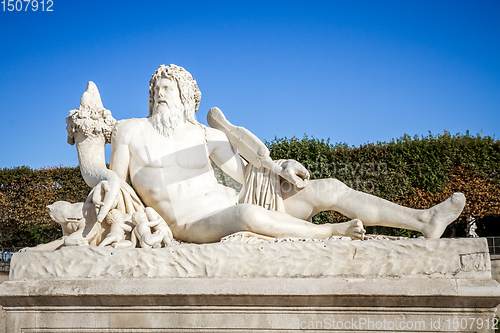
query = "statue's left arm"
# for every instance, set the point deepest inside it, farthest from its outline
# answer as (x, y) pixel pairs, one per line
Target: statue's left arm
(223, 154)
(255, 151)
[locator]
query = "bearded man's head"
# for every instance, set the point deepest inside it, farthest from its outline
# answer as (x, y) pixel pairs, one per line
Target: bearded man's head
(164, 116)
(189, 93)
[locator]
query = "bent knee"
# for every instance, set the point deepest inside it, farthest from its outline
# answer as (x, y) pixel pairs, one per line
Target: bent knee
(328, 186)
(323, 194)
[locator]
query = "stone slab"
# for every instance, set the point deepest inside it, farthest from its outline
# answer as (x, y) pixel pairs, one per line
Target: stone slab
(248, 305)
(464, 258)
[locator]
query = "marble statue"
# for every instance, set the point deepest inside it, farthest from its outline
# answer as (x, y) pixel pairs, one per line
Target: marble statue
(120, 224)
(90, 128)
(175, 196)
(167, 156)
(161, 227)
(78, 226)
(247, 241)
(143, 233)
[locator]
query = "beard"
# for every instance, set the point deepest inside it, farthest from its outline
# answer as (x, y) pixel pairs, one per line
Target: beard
(165, 119)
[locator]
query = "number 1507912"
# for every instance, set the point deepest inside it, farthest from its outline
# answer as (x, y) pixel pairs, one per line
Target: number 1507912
(25, 5)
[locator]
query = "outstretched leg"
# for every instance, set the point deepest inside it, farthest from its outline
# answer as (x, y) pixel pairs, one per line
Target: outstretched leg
(247, 217)
(332, 194)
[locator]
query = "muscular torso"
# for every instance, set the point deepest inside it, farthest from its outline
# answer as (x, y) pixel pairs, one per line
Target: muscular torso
(172, 175)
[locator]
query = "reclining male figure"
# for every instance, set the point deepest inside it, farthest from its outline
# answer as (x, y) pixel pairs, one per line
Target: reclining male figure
(168, 158)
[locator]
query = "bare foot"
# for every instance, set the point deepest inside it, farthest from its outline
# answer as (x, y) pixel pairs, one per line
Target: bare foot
(438, 217)
(353, 229)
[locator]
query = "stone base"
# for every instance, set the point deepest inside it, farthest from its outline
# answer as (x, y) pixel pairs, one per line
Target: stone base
(465, 258)
(249, 305)
(373, 286)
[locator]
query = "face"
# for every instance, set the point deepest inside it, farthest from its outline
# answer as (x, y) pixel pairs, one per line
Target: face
(166, 95)
(64, 212)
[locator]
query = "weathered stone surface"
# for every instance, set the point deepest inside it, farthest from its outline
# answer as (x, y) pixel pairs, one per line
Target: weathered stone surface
(422, 258)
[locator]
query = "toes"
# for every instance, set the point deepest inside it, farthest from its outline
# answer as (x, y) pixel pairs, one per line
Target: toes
(358, 231)
(358, 223)
(458, 199)
(358, 235)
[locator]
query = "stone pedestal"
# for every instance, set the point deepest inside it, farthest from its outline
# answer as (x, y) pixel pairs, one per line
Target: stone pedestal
(451, 291)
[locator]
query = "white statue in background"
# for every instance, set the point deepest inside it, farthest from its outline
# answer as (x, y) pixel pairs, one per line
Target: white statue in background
(472, 226)
(168, 159)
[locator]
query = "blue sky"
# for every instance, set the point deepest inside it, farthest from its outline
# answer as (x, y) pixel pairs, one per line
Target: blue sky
(351, 71)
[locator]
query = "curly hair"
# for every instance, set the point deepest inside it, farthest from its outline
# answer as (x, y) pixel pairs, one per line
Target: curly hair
(190, 94)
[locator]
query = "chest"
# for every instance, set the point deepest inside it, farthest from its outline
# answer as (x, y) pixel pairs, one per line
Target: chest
(185, 149)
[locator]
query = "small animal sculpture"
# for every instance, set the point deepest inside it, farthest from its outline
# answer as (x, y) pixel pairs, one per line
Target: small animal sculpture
(77, 221)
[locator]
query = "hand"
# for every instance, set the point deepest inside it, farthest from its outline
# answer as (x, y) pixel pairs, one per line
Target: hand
(296, 172)
(105, 197)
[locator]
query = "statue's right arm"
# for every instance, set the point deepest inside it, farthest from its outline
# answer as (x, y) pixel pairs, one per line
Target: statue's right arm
(120, 153)
(119, 166)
